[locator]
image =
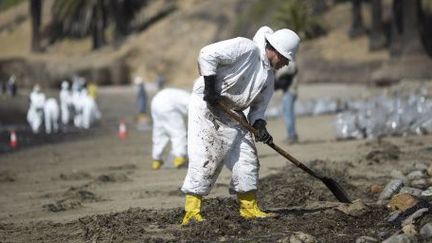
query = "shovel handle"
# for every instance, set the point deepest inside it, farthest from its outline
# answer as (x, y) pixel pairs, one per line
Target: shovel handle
(278, 149)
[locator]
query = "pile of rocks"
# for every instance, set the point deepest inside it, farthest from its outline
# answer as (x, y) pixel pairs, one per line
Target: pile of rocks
(408, 196)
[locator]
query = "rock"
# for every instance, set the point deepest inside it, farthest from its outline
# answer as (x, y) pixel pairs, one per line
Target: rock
(402, 202)
(421, 166)
(409, 230)
(400, 239)
(427, 194)
(284, 240)
(356, 208)
(429, 170)
(409, 215)
(390, 189)
(426, 231)
(417, 174)
(223, 239)
(300, 237)
(365, 239)
(419, 183)
(376, 188)
(394, 217)
(397, 174)
(411, 190)
(414, 216)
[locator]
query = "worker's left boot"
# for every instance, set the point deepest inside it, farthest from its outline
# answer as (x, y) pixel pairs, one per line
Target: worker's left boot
(193, 209)
(156, 164)
(249, 207)
(179, 161)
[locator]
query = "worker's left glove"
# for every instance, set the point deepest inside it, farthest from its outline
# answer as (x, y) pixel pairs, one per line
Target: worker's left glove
(262, 135)
(211, 96)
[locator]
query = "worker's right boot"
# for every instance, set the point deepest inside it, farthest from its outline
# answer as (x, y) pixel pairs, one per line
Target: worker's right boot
(179, 161)
(156, 165)
(249, 207)
(193, 209)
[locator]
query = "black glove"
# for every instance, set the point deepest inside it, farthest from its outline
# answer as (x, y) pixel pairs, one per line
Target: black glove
(262, 135)
(210, 94)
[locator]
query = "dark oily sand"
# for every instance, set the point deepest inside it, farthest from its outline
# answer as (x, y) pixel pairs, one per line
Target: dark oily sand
(302, 203)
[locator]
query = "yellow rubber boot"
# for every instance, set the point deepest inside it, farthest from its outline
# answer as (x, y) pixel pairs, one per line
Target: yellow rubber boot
(179, 161)
(249, 207)
(193, 209)
(156, 164)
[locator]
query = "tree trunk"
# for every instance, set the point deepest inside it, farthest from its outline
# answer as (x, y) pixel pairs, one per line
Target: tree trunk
(411, 40)
(98, 25)
(120, 20)
(377, 38)
(357, 27)
(36, 17)
(396, 29)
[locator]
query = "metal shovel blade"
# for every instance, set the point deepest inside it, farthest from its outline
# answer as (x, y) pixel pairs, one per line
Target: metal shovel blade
(331, 184)
(336, 189)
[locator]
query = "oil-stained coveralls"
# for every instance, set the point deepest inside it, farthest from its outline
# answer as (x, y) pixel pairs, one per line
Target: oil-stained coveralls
(244, 79)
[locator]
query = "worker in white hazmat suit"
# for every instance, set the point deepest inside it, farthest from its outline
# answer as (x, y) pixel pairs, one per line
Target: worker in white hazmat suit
(51, 115)
(90, 112)
(65, 102)
(35, 111)
(238, 72)
(87, 111)
(169, 108)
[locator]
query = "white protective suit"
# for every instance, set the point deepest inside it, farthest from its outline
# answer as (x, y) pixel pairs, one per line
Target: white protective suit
(169, 109)
(86, 110)
(35, 111)
(245, 79)
(65, 103)
(51, 114)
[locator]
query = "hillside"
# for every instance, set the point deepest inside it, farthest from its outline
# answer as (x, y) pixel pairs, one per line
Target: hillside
(170, 46)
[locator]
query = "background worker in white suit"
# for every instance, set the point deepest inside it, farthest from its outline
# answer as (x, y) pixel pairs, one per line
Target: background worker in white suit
(66, 102)
(169, 109)
(87, 111)
(51, 115)
(35, 111)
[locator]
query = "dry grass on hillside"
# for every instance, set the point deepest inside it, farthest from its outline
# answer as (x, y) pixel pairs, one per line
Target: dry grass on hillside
(171, 45)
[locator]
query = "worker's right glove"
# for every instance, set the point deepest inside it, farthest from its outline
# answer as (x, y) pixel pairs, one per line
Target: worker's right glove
(211, 96)
(262, 135)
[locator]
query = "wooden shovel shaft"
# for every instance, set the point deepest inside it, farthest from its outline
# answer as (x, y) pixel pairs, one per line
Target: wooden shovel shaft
(278, 149)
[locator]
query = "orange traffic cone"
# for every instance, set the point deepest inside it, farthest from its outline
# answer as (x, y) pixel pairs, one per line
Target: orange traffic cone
(13, 140)
(122, 133)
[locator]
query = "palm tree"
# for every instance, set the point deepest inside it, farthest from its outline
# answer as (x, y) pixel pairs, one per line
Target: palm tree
(357, 27)
(98, 24)
(36, 15)
(411, 40)
(79, 18)
(302, 16)
(123, 12)
(377, 39)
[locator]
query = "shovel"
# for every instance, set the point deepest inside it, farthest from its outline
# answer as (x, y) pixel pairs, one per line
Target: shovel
(331, 184)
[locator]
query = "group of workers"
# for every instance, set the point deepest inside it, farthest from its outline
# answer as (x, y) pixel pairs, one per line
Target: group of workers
(77, 106)
(241, 74)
